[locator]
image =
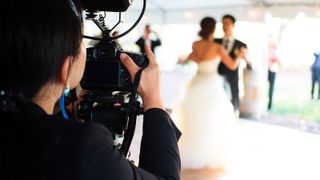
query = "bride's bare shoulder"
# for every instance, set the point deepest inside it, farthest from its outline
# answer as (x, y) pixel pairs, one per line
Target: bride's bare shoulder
(196, 43)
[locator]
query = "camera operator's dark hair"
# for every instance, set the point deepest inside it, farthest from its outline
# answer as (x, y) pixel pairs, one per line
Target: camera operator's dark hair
(228, 16)
(208, 25)
(36, 37)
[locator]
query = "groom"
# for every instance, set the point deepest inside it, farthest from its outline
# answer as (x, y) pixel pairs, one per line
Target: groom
(233, 47)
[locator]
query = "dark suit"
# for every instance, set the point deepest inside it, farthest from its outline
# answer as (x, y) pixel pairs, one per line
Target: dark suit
(37, 146)
(315, 75)
(154, 43)
(232, 76)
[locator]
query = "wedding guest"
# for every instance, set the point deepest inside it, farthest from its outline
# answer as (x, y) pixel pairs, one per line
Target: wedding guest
(147, 40)
(315, 74)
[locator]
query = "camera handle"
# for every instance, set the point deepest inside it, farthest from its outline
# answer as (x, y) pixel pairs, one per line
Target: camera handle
(131, 114)
(135, 24)
(91, 15)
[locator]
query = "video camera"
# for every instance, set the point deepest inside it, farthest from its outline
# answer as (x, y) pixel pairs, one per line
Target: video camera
(107, 82)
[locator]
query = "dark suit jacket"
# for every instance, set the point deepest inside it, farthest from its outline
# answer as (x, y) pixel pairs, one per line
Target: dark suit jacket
(37, 146)
(154, 43)
(223, 69)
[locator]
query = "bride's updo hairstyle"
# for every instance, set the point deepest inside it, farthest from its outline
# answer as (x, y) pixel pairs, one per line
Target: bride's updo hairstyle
(207, 25)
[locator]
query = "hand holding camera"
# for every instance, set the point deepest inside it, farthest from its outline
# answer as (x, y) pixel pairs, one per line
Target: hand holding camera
(149, 87)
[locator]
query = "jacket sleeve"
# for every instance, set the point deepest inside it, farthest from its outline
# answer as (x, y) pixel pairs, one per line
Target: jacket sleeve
(159, 152)
(240, 44)
(140, 43)
(157, 42)
(159, 156)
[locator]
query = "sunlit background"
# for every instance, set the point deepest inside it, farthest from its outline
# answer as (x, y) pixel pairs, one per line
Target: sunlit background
(294, 25)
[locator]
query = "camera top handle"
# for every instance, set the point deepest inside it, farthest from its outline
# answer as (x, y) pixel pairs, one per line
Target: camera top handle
(91, 15)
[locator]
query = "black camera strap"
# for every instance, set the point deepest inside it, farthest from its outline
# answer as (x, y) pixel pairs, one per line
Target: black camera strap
(135, 85)
(131, 115)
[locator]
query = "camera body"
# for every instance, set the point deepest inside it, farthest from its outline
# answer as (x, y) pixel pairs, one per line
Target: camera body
(104, 70)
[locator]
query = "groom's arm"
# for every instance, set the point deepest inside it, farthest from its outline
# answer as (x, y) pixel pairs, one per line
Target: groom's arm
(243, 48)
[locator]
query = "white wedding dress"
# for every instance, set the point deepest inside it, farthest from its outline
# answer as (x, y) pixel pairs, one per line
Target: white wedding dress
(206, 119)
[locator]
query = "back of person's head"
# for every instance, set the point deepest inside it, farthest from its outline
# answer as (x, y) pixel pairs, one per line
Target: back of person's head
(36, 37)
(147, 28)
(207, 25)
(232, 18)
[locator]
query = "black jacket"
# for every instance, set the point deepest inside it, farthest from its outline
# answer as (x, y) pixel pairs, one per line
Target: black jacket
(154, 43)
(36, 146)
(223, 69)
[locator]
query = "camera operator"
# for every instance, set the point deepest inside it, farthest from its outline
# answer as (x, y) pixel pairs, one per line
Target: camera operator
(41, 57)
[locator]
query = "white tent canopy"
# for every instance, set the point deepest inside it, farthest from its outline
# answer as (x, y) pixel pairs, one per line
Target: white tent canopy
(174, 11)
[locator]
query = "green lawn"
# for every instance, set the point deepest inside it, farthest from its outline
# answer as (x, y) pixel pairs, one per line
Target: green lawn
(292, 96)
(308, 110)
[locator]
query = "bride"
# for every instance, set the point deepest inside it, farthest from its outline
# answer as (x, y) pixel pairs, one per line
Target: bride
(204, 113)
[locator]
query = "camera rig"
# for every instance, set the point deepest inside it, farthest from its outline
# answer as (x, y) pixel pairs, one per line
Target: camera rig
(111, 95)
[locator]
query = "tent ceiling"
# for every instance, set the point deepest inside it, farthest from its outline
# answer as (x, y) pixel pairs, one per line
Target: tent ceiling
(176, 11)
(194, 4)
(204, 4)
